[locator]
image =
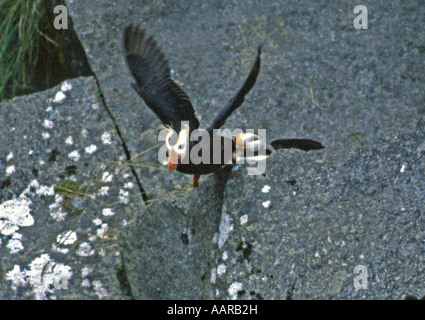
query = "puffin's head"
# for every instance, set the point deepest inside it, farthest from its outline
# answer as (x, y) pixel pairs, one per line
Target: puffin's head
(249, 146)
(177, 151)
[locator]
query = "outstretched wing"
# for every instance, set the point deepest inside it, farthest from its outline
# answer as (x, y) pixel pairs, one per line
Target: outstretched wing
(153, 82)
(237, 100)
(302, 144)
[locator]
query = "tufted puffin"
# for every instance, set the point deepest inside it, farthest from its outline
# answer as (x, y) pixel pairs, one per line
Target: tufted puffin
(171, 104)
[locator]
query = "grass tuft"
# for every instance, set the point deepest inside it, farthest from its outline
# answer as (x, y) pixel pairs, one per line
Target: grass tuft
(19, 46)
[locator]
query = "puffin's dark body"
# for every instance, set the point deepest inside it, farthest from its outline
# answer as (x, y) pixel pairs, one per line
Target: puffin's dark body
(170, 103)
(200, 169)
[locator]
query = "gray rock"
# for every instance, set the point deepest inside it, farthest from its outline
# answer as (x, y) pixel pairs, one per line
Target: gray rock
(62, 137)
(298, 232)
(320, 77)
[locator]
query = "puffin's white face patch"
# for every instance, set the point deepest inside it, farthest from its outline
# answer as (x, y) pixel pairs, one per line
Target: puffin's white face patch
(181, 146)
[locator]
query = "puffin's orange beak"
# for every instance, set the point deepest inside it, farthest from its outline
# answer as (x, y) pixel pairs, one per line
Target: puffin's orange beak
(173, 160)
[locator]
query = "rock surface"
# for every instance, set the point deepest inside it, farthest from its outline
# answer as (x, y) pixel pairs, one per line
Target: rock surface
(298, 232)
(64, 194)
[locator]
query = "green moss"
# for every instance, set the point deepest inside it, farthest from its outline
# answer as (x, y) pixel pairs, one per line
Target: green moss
(33, 55)
(68, 188)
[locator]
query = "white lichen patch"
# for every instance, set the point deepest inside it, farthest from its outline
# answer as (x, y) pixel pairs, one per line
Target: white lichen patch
(107, 177)
(57, 248)
(85, 271)
(10, 170)
(244, 219)
(63, 239)
(213, 275)
(102, 232)
(15, 245)
(99, 289)
(55, 209)
(14, 214)
(103, 191)
(221, 269)
(107, 212)
(85, 283)
(85, 250)
(45, 191)
(45, 135)
(226, 227)
(97, 221)
(9, 156)
(47, 124)
(69, 141)
(224, 256)
(266, 204)
(234, 288)
(90, 149)
(66, 86)
(106, 138)
(43, 275)
(67, 237)
(74, 155)
(123, 196)
(16, 276)
(59, 97)
(265, 189)
(129, 185)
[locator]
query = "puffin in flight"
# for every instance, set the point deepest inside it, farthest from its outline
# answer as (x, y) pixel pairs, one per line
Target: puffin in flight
(171, 104)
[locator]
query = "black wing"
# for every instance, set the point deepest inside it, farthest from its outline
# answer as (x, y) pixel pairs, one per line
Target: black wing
(153, 82)
(302, 144)
(237, 100)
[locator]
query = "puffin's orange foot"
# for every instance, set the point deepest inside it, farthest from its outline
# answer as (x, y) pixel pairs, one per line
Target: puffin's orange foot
(195, 180)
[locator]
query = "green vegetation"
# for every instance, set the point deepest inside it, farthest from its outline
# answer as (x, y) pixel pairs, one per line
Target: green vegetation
(68, 188)
(32, 55)
(19, 29)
